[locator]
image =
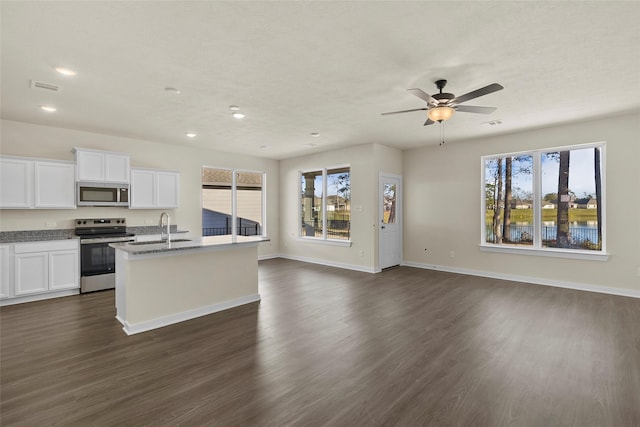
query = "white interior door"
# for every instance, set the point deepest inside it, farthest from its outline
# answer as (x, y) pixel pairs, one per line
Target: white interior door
(390, 217)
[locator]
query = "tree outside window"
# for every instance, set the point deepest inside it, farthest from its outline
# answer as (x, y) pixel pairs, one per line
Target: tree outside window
(564, 211)
(325, 210)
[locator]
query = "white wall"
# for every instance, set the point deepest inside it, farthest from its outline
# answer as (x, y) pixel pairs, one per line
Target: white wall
(442, 206)
(23, 139)
(366, 162)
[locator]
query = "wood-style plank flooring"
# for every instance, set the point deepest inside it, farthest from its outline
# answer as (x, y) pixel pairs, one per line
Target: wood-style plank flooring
(333, 347)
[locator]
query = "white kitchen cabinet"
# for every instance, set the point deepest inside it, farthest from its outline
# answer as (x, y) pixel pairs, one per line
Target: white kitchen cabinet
(144, 189)
(41, 267)
(6, 271)
(168, 189)
(29, 183)
(101, 166)
(63, 270)
(32, 273)
(54, 184)
(16, 186)
(154, 189)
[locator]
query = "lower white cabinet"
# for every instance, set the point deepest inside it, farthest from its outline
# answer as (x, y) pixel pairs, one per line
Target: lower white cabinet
(32, 273)
(6, 270)
(41, 267)
(64, 270)
(154, 189)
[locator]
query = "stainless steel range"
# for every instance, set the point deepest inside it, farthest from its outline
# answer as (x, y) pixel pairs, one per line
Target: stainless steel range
(97, 259)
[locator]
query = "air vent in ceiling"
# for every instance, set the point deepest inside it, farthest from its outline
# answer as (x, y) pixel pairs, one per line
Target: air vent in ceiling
(34, 84)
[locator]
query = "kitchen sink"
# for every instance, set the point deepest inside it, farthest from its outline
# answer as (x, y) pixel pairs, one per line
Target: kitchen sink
(155, 242)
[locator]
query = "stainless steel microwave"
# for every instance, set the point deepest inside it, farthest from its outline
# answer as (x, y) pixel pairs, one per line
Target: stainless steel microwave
(102, 194)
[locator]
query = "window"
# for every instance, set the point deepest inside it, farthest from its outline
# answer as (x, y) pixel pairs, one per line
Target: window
(325, 204)
(232, 202)
(550, 200)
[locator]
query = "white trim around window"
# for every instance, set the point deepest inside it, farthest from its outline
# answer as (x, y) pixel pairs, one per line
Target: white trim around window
(535, 246)
(325, 238)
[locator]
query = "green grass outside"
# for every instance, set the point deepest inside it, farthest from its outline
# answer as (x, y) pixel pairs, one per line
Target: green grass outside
(526, 215)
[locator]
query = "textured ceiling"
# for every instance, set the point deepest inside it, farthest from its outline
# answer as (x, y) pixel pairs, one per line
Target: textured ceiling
(312, 66)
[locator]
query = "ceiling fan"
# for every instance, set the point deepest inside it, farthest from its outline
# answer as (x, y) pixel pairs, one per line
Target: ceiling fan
(441, 106)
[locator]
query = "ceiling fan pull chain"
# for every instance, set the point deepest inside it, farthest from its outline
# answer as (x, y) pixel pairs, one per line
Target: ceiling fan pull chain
(442, 133)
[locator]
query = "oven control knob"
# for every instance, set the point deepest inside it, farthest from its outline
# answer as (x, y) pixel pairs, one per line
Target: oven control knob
(84, 222)
(79, 222)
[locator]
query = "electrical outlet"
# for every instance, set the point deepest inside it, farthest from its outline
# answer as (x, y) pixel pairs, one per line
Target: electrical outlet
(50, 224)
(361, 253)
(638, 271)
(149, 222)
(452, 254)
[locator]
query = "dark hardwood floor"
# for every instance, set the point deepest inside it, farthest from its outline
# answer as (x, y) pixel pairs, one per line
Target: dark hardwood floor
(333, 347)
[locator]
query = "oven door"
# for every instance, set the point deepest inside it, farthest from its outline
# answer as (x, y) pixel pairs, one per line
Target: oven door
(97, 258)
(98, 263)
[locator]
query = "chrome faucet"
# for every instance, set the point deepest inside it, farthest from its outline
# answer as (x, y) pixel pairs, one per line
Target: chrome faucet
(161, 224)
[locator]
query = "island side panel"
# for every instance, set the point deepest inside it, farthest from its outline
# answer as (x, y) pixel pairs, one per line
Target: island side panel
(162, 286)
(122, 267)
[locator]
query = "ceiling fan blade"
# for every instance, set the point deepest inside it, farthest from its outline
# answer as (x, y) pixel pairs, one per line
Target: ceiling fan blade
(404, 111)
(472, 109)
(428, 122)
(423, 95)
(476, 93)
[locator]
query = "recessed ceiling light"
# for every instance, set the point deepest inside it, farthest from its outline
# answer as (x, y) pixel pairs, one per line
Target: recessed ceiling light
(234, 108)
(238, 115)
(172, 90)
(66, 71)
(191, 134)
(314, 134)
(264, 147)
(48, 108)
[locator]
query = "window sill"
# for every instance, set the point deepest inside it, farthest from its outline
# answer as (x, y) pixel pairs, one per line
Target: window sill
(346, 243)
(550, 252)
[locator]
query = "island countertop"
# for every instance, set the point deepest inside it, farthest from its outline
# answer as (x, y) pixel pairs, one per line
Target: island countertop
(144, 248)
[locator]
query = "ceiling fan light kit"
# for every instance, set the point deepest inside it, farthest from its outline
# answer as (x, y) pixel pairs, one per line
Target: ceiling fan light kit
(440, 114)
(442, 105)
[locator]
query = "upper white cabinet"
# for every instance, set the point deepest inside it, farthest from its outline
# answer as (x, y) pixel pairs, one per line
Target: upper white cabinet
(154, 189)
(41, 184)
(102, 166)
(168, 189)
(54, 184)
(143, 189)
(16, 186)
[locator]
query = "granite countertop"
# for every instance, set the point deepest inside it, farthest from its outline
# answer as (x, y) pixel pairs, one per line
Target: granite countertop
(36, 235)
(140, 248)
(70, 233)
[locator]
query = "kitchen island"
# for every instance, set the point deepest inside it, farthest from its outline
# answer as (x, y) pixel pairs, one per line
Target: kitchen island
(161, 283)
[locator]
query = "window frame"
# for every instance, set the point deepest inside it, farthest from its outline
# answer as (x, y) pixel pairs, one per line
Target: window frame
(537, 249)
(234, 199)
(324, 239)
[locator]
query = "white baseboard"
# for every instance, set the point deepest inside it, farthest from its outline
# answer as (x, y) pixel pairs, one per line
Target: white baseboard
(38, 297)
(136, 328)
(526, 279)
(269, 256)
(329, 263)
